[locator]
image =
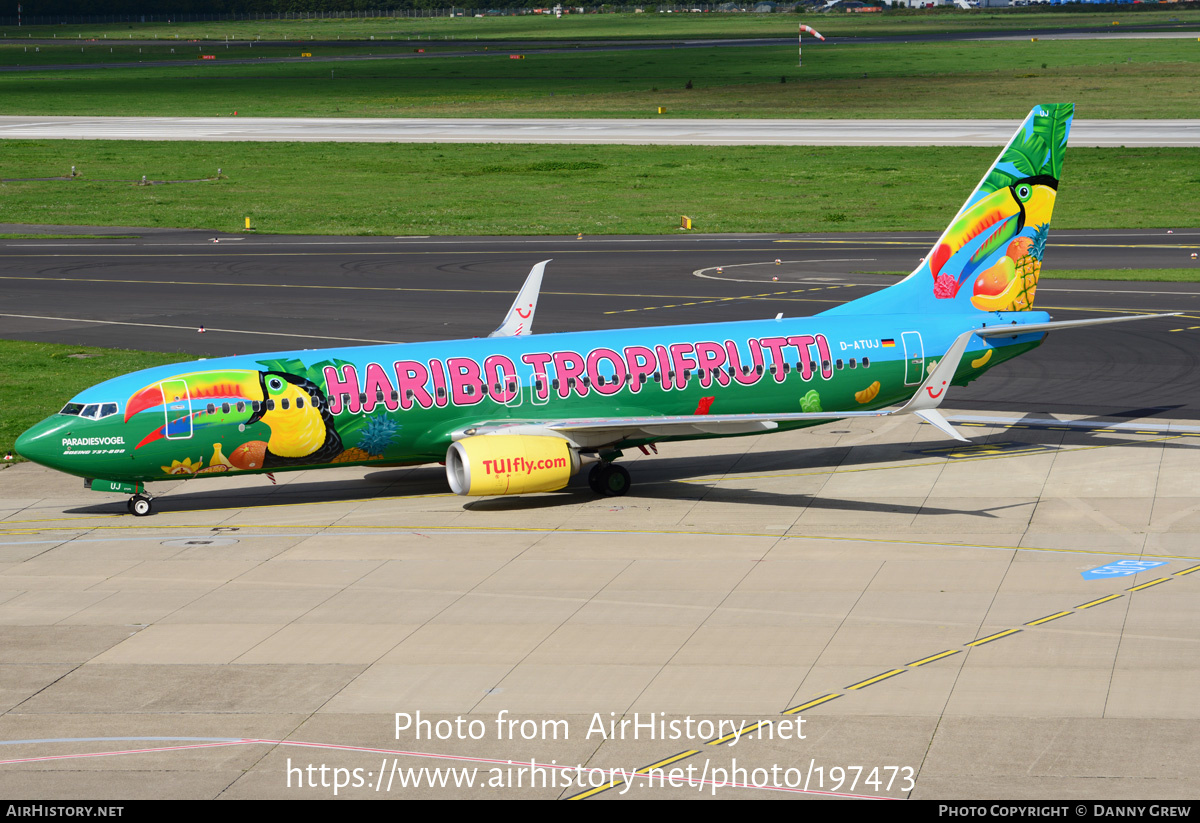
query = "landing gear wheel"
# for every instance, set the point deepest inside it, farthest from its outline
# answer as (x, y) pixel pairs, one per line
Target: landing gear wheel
(594, 478)
(140, 505)
(613, 480)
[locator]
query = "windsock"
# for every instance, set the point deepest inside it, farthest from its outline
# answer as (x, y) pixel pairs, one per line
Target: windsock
(800, 42)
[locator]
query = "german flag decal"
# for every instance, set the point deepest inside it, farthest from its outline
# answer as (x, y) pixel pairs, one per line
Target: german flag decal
(888, 343)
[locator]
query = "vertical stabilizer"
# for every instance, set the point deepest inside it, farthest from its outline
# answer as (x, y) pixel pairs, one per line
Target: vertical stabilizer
(990, 256)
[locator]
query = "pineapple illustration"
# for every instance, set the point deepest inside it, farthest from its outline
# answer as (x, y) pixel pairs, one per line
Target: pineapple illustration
(1029, 266)
(352, 456)
(1026, 256)
(376, 437)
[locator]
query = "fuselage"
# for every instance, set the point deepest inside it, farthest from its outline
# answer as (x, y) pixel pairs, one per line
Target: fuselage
(403, 404)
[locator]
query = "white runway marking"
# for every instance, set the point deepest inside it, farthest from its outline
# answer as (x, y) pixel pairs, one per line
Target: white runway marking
(750, 132)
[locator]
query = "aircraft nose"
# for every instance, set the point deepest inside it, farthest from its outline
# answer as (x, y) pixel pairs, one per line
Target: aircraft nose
(42, 443)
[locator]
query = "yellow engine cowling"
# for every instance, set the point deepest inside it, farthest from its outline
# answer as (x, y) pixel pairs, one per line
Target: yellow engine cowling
(510, 464)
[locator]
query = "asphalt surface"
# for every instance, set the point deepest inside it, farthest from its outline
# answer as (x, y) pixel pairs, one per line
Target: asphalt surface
(792, 132)
(273, 293)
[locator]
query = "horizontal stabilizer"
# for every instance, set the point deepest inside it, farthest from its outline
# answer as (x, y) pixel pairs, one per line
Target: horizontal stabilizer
(1014, 329)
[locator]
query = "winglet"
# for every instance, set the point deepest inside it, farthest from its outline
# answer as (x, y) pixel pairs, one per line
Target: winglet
(932, 392)
(519, 320)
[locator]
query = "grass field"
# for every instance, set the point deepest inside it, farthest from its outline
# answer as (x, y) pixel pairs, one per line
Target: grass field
(394, 189)
(627, 26)
(106, 52)
(1141, 79)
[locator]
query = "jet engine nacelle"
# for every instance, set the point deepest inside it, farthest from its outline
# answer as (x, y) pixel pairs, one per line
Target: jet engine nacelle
(510, 464)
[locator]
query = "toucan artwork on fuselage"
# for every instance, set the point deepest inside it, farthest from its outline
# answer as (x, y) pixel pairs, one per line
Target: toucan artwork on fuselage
(516, 413)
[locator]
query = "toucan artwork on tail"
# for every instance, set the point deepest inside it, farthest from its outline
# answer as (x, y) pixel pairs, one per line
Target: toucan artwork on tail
(999, 236)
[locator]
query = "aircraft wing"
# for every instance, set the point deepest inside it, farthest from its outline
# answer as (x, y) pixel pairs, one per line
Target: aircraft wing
(601, 431)
(519, 320)
(594, 432)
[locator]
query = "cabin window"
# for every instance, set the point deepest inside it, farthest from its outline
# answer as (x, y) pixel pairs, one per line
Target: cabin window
(469, 390)
(786, 367)
(538, 384)
(270, 404)
(585, 380)
(300, 402)
(211, 409)
(241, 405)
(657, 377)
(441, 392)
(395, 395)
(687, 375)
(758, 370)
(839, 363)
(600, 380)
(255, 406)
(772, 369)
(362, 399)
(283, 404)
(409, 394)
(225, 408)
(379, 395)
(866, 363)
(853, 364)
(570, 382)
(824, 365)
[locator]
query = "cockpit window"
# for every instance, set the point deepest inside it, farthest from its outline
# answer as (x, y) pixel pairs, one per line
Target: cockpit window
(92, 411)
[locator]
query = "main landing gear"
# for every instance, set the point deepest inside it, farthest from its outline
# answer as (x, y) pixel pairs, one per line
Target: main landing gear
(140, 505)
(609, 479)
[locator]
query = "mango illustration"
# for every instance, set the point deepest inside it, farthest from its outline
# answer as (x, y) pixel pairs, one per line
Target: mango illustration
(996, 279)
(1004, 301)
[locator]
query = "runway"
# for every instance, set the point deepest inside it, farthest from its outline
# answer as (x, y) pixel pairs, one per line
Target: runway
(1084, 133)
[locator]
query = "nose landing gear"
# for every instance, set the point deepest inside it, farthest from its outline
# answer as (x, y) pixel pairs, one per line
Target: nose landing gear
(140, 505)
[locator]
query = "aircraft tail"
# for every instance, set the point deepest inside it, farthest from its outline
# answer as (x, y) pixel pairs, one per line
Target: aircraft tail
(990, 256)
